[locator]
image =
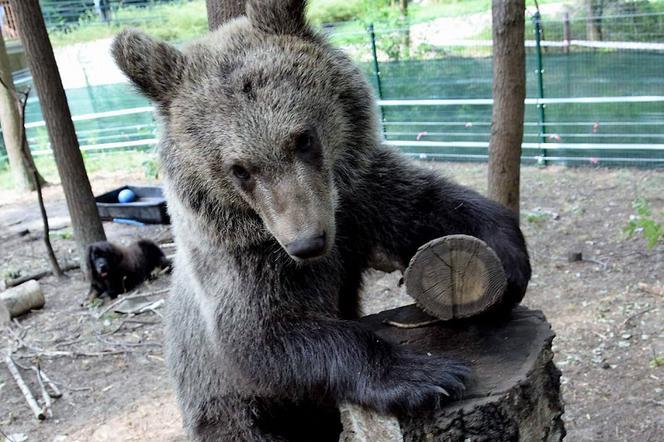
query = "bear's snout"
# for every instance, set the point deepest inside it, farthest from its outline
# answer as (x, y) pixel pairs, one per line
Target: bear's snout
(306, 248)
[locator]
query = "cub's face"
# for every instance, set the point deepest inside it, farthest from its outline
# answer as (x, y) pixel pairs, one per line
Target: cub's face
(261, 139)
(255, 121)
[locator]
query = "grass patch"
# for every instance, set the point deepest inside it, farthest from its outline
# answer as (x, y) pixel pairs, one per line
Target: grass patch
(174, 22)
(109, 162)
(183, 20)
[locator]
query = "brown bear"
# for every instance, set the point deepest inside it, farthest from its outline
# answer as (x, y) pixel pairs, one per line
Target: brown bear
(280, 193)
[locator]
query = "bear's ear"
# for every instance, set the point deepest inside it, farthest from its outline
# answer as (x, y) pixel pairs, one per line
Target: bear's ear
(154, 66)
(283, 17)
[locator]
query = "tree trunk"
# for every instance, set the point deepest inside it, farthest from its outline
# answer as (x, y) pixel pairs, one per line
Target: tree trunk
(220, 11)
(509, 93)
(85, 220)
(20, 163)
(594, 10)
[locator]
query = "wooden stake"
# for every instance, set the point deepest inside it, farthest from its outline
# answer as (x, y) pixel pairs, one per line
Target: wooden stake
(455, 277)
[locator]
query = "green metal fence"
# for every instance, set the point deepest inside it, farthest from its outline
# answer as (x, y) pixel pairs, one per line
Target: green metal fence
(588, 102)
(66, 14)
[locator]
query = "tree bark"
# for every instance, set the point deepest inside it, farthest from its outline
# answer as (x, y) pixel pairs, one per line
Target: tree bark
(220, 11)
(594, 11)
(85, 220)
(514, 392)
(509, 93)
(18, 152)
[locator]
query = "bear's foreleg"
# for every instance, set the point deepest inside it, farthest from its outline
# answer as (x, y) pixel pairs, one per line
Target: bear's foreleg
(410, 206)
(343, 361)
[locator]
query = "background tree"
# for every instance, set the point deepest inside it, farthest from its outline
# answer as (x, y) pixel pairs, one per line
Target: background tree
(85, 220)
(594, 10)
(509, 93)
(220, 11)
(18, 153)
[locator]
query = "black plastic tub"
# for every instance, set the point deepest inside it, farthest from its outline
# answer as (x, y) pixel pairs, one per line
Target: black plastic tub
(149, 206)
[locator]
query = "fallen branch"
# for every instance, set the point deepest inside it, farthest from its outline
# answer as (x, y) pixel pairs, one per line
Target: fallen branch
(635, 315)
(46, 398)
(138, 323)
(30, 399)
(101, 339)
(38, 275)
(55, 391)
(41, 353)
(130, 296)
(652, 289)
(74, 354)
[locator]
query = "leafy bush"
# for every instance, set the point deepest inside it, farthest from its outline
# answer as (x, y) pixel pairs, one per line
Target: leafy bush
(335, 11)
(170, 21)
(644, 221)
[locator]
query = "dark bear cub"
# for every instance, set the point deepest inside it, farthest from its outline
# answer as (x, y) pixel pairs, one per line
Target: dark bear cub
(113, 269)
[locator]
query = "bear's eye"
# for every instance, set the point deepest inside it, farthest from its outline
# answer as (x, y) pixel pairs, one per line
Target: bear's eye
(304, 143)
(240, 173)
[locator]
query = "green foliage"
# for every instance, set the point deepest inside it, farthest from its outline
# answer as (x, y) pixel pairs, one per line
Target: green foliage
(176, 21)
(537, 218)
(657, 361)
(95, 304)
(335, 11)
(151, 169)
(645, 222)
(11, 274)
(62, 234)
(126, 162)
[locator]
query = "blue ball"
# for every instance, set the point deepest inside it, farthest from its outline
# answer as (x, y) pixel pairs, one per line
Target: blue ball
(126, 196)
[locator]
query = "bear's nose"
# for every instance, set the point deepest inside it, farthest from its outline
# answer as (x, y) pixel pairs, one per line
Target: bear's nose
(307, 247)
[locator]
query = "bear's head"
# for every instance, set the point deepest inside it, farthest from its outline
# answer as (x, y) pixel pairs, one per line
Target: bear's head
(264, 125)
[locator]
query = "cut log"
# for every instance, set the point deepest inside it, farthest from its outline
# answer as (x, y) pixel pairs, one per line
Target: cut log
(23, 298)
(455, 277)
(514, 393)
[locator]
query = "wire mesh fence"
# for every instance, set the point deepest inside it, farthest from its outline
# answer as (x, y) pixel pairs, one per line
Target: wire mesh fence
(596, 102)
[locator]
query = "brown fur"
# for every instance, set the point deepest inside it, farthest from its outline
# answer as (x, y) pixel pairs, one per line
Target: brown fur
(280, 194)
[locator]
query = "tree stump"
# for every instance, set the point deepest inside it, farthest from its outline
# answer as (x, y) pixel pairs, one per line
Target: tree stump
(456, 276)
(514, 394)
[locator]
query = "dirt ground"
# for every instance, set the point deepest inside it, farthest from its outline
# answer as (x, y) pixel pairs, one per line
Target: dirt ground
(610, 343)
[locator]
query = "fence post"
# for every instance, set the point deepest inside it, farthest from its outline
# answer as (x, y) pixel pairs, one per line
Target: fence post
(537, 22)
(376, 68)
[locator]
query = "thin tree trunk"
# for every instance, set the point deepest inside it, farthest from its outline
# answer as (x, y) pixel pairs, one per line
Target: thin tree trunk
(18, 153)
(220, 11)
(594, 10)
(52, 259)
(509, 93)
(85, 220)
